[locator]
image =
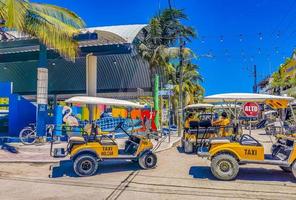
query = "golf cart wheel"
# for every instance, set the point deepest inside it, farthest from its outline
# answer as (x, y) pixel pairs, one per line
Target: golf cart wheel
(294, 169)
(148, 160)
(286, 169)
(85, 165)
(224, 167)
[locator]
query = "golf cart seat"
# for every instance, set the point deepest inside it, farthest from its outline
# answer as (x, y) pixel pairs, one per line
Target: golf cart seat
(201, 131)
(201, 127)
(222, 140)
(76, 140)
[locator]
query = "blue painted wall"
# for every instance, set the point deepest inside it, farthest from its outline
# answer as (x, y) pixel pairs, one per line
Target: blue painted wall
(21, 112)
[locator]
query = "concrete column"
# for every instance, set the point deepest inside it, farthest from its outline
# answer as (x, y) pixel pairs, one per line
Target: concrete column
(91, 80)
(42, 92)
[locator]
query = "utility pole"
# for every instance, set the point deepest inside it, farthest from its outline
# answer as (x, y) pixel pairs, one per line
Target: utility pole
(182, 44)
(255, 79)
(170, 4)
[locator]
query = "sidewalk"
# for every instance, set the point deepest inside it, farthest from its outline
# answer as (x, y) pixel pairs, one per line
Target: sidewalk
(40, 153)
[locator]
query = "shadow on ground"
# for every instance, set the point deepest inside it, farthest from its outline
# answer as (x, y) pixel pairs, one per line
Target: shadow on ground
(181, 150)
(249, 174)
(65, 168)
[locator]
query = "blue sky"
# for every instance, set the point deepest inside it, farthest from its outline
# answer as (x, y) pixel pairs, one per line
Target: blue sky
(239, 34)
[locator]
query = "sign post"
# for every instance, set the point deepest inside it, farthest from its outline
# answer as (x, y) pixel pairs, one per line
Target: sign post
(251, 109)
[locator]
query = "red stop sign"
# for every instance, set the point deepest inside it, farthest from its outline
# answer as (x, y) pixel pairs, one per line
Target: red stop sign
(251, 109)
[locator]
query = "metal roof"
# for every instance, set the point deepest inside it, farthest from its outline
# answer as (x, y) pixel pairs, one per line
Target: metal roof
(120, 68)
(116, 73)
(107, 35)
(127, 32)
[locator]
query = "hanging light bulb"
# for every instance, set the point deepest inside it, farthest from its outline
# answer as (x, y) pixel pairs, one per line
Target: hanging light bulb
(221, 38)
(226, 52)
(259, 50)
(203, 39)
(276, 50)
(242, 52)
(278, 35)
(240, 37)
(260, 36)
(210, 53)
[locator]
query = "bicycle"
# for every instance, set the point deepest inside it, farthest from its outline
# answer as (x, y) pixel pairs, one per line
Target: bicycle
(28, 134)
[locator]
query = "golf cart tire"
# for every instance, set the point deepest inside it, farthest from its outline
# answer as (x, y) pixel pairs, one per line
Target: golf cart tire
(294, 169)
(85, 165)
(148, 160)
(286, 169)
(231, 167)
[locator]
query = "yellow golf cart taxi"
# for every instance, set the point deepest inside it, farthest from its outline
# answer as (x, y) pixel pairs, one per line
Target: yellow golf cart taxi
(226, 154)
(204, 116)
(88, 150)
(194, 113)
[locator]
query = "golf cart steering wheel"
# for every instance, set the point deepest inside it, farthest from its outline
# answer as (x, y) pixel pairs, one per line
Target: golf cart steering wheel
(119, 125)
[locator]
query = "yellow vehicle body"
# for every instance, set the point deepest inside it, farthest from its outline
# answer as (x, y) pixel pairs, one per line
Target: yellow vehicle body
(101, 150)
(192, 137)
(109, 150)
(226, 155)
(241, 152)
(246, 152)
(292, 157)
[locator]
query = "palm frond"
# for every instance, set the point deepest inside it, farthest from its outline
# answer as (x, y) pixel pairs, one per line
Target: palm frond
(14, 12)
(62, 14)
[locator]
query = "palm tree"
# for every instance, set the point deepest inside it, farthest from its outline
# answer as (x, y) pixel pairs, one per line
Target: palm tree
(279, 81)
(52, 25)
(161, 35)
(191, 88)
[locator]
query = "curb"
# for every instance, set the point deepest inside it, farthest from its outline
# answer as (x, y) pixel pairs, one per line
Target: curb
(31, 161)
(173, 144)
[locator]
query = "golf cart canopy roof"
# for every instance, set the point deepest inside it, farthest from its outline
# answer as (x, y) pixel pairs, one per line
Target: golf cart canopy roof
(224, 106)
(200, 105)
(103, 101)
(270, 112)
(244, 97)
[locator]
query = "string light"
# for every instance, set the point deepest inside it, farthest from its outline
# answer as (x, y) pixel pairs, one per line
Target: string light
(260, 36)
(203, 39)
(240, 37)
(242, 52)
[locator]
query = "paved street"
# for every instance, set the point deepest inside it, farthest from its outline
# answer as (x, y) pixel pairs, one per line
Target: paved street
(177, 176)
